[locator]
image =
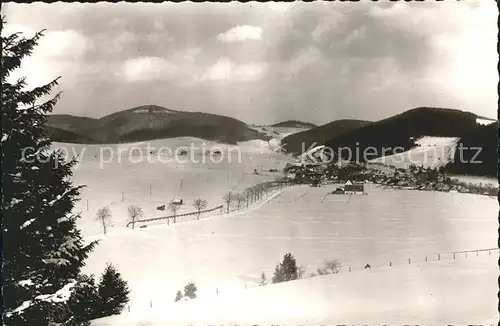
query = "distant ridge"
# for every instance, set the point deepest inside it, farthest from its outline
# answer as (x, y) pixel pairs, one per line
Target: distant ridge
(65, 136)
(294, 124)
(299, 142)
(394, 134)
(150, 122)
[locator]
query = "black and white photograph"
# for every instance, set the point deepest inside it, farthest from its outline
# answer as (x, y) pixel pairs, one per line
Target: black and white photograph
(250, 163)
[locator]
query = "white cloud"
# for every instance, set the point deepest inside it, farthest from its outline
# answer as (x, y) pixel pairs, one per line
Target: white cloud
(240, 33)
(280, 7)
(304, 59)
(148, 69)
(186, 55)
(354, 35)
(64, 44)
(56, 55)
(226, 71)
(60, 44)
(331, 21)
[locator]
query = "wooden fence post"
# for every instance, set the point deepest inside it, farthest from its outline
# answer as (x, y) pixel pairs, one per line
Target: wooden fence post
(409, 260)
(453, 255)
(390, 263)
(128, 308)
(426, 259)
(477, 252)
(439, 256)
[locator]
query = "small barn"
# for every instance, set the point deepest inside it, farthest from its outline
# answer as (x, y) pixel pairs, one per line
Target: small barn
(354, 188)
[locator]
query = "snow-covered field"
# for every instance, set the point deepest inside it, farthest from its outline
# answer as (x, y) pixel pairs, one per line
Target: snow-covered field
(460, 291)
(476, 180)
(485, 121)
(431, 152)
(226, 254)
(277, 134)
(125, 172)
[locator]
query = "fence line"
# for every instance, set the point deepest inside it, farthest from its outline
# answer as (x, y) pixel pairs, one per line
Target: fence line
(349, 269)
(271, 184)
(175, 216)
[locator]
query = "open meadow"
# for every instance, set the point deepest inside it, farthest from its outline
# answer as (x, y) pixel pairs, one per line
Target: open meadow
(121, 175)
(402, 295)
(395, 231)
(225, 255)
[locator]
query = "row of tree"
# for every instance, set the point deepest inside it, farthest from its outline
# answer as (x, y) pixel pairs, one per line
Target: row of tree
(43, 251)
(252, 194)
(135, 213)
(243, 199)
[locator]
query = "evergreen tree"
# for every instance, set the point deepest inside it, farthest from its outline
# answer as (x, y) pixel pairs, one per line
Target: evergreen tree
(178, 296)
(84, 302)
(190, 290)
(263, 280)
(113, 292)
(289, 267)
(278, 276)
(43, 249)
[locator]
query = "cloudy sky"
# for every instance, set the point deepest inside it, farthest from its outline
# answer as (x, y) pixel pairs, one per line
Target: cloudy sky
(265, 62)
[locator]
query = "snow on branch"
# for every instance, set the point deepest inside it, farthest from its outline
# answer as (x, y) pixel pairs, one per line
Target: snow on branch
(61, 295)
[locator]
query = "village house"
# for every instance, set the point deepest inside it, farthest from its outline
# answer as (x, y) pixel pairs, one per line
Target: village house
(354, 188)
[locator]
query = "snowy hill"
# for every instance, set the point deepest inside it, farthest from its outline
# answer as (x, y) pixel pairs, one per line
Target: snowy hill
(430, 152)
(422, 293)
(485, 121)
(315, 155)
(149, 122)
(227, 254)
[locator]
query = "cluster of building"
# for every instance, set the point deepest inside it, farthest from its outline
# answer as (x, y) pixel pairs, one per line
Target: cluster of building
(353, 176)
(318, 174)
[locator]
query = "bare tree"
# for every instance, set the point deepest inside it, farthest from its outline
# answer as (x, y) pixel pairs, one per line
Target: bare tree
(333, 265)
(253, 194)
(239, 199)
(199, 204)
(258, 192)
(174, 208)
(248, 195)
(280, 182)
(228, 198)
(104, 216)
(134, 213)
